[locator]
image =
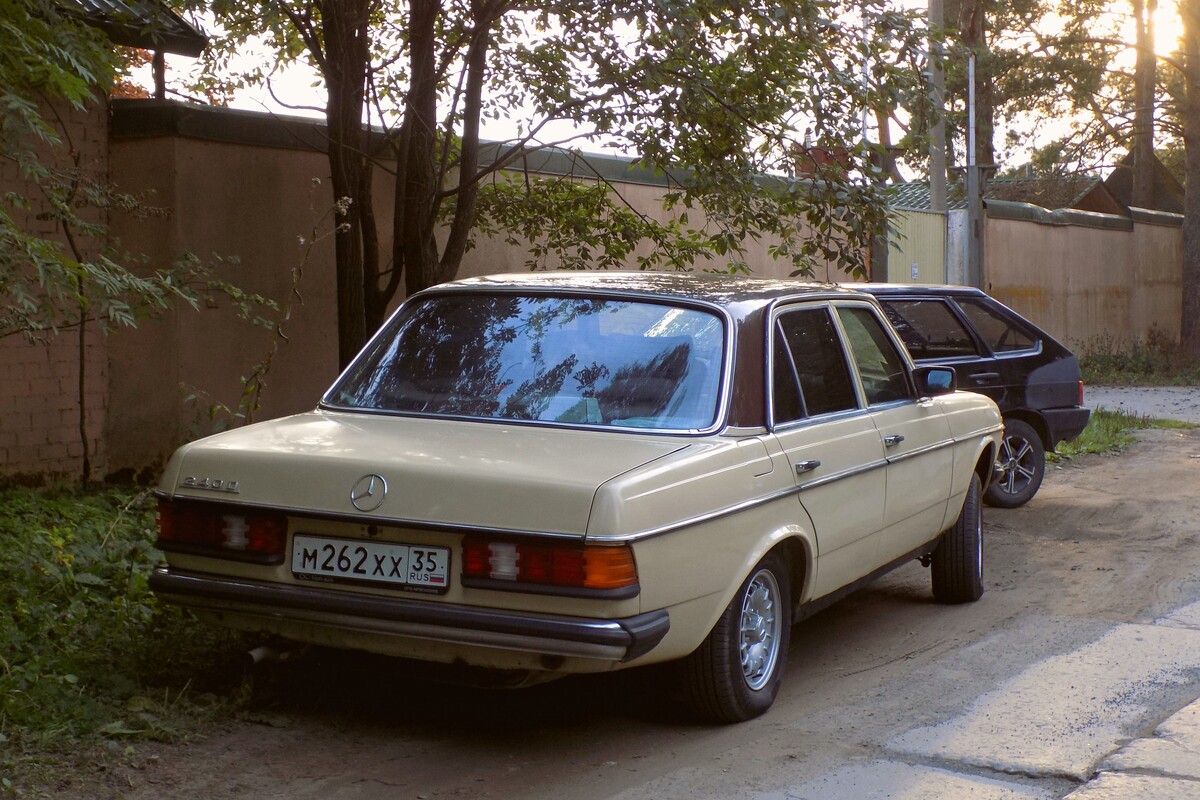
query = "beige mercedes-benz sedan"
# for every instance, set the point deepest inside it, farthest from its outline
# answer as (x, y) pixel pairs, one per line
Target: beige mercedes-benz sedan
(577, 472)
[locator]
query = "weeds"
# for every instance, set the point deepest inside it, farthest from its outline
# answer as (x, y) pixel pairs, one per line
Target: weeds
(1156, 360)
(1107, 432)
(86, 652)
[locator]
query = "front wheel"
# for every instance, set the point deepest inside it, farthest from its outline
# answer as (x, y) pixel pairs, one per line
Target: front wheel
(1023, 461)
(735, 673)
(957, 563)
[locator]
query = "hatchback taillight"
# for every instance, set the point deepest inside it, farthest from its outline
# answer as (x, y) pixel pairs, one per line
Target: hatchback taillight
(1080, 402)
(223, 531)
(564, 565)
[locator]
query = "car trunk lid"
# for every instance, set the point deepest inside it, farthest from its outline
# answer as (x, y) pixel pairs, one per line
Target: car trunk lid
(436, 471)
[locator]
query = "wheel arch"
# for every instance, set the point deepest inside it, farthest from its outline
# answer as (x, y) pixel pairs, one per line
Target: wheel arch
(795, 545)
(985, 465)
(1035, 421)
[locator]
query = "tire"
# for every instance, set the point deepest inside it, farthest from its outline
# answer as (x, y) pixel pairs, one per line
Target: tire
(1023, 458)
(957, 564)
(735, 673)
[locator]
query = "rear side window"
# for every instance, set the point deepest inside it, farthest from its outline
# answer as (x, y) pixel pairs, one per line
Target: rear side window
(930, 329)
(810, 373)
(1001, 333)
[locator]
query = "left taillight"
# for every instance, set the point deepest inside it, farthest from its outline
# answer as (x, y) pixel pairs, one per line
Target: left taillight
(223, 531)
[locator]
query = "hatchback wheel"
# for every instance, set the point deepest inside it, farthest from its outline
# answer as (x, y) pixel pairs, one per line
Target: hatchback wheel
(1023, 464)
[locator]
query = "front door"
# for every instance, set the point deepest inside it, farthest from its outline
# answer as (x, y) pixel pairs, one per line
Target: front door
(831, 444)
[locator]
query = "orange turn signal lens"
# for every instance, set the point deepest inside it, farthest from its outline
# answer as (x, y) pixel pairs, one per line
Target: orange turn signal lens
(609, 567)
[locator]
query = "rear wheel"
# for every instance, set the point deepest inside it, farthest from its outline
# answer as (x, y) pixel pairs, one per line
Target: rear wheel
(1023, 461)
(735, 674)
(957, 563)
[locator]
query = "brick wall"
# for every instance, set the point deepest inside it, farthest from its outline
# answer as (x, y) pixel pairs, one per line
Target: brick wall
(39, 381)
(39, 406)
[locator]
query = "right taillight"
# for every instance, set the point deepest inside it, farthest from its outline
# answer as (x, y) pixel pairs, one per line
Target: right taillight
(222, 531)
(1080, 402)
(558, 564)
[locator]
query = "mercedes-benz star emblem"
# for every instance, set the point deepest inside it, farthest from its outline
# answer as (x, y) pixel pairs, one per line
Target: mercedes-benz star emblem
(369, 492)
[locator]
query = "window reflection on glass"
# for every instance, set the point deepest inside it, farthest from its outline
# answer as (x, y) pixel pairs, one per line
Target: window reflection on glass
(929, 328)
(1002, 334)
(559, 359)
(880, 366)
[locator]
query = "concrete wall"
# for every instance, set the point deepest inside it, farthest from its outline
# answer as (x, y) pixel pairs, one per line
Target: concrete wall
(252, 186)
(256, 188)
(1081, 275)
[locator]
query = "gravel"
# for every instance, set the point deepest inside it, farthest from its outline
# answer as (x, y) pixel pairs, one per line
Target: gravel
(1163, 402)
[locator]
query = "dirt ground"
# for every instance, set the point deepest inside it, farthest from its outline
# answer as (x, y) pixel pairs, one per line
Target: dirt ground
(1109, 540)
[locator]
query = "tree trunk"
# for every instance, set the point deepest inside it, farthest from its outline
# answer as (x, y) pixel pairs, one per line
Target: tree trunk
(415, 249)
(1143, 112)
(344, 25)
(1190, 321)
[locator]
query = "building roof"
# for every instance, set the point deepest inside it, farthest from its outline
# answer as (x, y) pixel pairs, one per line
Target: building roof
(147, 24)
(1083, 192)
(1167, 191)
(914, 196)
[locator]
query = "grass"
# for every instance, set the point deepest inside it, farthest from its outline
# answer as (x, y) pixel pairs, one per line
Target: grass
(1156, 360)
(1110, 432)
(88, 658)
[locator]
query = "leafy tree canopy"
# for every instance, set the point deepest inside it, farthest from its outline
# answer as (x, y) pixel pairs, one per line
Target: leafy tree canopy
(712, 94)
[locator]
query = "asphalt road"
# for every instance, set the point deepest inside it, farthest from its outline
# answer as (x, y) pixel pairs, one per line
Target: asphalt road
(1087, 639)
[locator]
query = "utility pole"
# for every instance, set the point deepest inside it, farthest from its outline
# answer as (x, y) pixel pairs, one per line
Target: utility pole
(975, 273)
(937, 93)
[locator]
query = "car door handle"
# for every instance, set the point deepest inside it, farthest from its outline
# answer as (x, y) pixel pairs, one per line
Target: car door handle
(893, 440)
(985, 378)
(806, 466)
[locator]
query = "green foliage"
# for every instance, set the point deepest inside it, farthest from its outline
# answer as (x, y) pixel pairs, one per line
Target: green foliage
(1053, 74)
(1106, 432)
(713, 95)
(1156, 360)
(50, 63)
(86, 651)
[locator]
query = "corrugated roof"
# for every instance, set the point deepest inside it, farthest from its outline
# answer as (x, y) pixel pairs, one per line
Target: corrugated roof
(1047, 192)
(140, 23)
(914, 196)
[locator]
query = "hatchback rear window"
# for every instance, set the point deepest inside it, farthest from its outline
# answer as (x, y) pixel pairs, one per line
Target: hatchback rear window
(567, 360)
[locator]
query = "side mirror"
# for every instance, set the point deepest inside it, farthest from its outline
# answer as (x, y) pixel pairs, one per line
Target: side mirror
(935, 380)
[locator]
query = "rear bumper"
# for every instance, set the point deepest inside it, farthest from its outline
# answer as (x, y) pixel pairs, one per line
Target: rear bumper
(1064, 424)
(616, 640)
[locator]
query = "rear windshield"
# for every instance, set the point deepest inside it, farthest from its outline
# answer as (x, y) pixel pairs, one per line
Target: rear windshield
(585, 361)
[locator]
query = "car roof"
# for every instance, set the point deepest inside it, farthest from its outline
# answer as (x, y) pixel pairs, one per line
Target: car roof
(926, 289)
(722, 290)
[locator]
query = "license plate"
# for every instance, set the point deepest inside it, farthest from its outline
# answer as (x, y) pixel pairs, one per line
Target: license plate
(413, 567)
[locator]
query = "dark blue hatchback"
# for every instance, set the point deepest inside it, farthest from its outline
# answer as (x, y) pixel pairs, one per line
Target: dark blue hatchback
(995, 351)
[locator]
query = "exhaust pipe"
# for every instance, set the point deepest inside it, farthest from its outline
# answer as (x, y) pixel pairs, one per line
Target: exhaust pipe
(274, 652)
